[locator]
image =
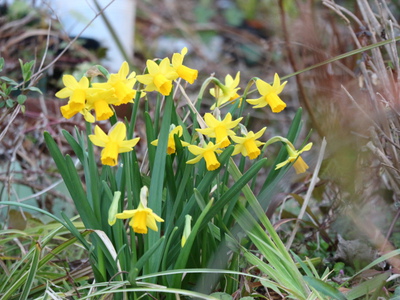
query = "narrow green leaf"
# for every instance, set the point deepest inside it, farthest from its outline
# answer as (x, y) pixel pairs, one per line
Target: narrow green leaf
(157, 181)
(324, 288)
(32, 272)
(74, 145)
(137, 267)
(367, 286)
(185, 251)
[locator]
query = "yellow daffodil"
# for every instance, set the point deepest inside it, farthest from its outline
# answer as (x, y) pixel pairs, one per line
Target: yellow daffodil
(227, 92)
(75, 91)
(113, 143)
(248, 145)
(100, 100)
(294, 156)
(220, 130)
(188, 74)
(269, 95)
(141, 217)
(122, 84)
(171, 148)
(208, 153)
(159, 77)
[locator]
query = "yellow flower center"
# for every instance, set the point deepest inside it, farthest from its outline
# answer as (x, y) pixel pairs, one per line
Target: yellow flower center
(162, 84)
(251, 148)
(171, 145)
(234, 96)
(109, 155)
(211, 160)
(300, 166)
(67, 112)
(77, 100)
(187, 74)
(277, 105)
(124, 94)
(103, 110)
(139, 221)
(221, 135)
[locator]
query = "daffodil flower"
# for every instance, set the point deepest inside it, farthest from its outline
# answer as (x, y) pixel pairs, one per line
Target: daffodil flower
(75, 91)
(159, 77)
(141, 217)
(269, 95)
(226, 92)
(188, 74)
(171, 148)
(294, 156)
(122, 84)
(113, 143)
(220, 130)
(208, 153)
(248, 145)
(100, 100)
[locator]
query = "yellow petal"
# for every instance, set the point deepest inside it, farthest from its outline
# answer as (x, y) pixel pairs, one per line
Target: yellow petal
(280, 165)
(126, 214)
(70, 81)
(126, 146)
(117, 132)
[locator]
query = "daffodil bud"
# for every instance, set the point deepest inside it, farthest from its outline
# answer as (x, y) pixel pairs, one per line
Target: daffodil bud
(113, 210)
(187, 230)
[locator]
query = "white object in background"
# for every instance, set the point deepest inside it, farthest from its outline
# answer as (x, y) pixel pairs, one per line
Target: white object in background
(74, 15)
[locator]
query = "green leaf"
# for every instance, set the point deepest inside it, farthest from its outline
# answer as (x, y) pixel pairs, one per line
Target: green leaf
(21, 99)
(324, 288)
(222, 296)
(32, 272)
(10, 103)
(103, 71)
(34, 89)
(1, 63)
(8, 81)
(367, 286)
(137, 267)
(157, 181)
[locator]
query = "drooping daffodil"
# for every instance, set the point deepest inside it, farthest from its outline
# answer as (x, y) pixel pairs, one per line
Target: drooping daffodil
(184, 72)
(159, 77)
(208, 153)
(299, 165)
(142, 217)
(249, 145)
(171, 147)
(220, 130)
(114, 143)
(226, 92)
(269, 95)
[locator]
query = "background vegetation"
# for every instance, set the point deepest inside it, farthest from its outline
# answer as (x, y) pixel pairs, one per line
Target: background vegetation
(348, 223)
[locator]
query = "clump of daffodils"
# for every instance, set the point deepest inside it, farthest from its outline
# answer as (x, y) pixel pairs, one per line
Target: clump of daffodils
(95, 99)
